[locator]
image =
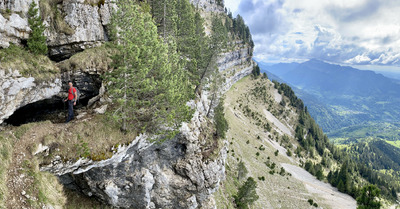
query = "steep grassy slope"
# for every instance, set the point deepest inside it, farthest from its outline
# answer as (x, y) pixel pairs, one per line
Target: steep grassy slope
(261, 135)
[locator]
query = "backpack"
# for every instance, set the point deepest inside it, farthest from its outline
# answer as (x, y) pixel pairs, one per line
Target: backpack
(77, 94)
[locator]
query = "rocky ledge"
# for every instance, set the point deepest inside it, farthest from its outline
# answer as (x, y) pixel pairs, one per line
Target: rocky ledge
(179, 173)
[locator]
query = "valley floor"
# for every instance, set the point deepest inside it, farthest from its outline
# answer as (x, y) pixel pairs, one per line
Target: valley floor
(281, 182)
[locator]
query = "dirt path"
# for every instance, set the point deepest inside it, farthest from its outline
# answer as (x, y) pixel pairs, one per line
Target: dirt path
(332, 196)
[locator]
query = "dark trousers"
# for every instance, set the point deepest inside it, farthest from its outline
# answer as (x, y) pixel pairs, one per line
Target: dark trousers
(70, 110)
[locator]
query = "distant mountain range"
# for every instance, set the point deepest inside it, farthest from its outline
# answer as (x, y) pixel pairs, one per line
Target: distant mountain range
(338, 96)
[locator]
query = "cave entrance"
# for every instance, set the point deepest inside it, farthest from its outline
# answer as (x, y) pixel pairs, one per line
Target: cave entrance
(55, 109)
(48, 109)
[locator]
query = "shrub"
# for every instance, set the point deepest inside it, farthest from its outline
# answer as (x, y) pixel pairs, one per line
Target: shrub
(310, 201)
(288, 153)
(282, 172)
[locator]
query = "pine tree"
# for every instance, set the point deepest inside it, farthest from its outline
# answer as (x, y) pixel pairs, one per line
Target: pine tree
(149, 87)
(219, 119)
(36, 40)
(247, 194)
(165, 15)
(202, 51)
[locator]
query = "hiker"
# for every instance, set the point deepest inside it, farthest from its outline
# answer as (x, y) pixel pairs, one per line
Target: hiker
(72, 95)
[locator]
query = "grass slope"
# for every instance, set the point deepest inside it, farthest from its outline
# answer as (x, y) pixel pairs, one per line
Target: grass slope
(281, 183)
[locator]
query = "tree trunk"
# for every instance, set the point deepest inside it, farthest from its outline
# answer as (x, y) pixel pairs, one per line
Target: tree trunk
(165, 10)
(124, 109)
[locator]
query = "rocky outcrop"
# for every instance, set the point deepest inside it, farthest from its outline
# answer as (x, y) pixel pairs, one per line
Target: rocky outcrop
(208, 6)
(72, 25)
(174, 174)
(179, 173)
(235, 65)
(17, 91)
(84, 27)
(13, 24)
(12, 30)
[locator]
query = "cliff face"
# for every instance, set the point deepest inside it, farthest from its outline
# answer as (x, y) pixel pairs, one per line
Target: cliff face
(235, 65)
(72, 26)
(180, 173)
(208, 6)
(175, 174)
(85, 27)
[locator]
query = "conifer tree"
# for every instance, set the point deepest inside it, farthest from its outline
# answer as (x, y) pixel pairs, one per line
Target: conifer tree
(204, 53)
(165, 15)
(150, 89)
(36, 40)
(247, 194)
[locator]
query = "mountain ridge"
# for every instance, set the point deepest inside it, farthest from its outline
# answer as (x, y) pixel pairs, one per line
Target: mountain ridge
(356, 95)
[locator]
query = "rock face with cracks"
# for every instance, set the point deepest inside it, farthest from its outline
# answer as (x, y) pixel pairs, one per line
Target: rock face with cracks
(17, 91)
(71, 26)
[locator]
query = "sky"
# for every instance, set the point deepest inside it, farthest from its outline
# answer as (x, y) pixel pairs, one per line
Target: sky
(349, 32)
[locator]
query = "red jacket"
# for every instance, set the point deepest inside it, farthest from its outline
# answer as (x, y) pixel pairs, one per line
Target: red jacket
(71, 93)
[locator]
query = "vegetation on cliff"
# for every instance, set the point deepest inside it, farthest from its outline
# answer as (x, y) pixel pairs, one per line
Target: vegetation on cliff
(28, 64)
(150, 88)
(37, 40)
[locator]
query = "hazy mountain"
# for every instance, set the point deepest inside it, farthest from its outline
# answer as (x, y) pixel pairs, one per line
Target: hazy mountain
(339, 96)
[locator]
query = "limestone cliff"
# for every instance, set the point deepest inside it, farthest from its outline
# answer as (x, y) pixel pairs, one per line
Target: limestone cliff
(72, 25)
(208, 6)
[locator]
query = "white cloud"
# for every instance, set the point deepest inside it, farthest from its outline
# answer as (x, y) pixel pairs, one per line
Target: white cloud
(359, 59)
(340, 31)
